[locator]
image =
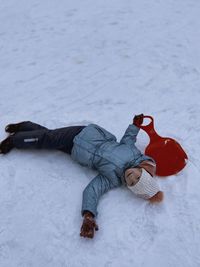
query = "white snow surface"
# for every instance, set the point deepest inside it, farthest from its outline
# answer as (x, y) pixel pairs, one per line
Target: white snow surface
(76, 62)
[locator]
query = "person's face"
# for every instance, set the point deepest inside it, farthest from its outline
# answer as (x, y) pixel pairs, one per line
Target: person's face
(132, 176)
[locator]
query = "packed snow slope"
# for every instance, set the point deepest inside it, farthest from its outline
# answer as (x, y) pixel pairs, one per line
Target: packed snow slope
(75, 62)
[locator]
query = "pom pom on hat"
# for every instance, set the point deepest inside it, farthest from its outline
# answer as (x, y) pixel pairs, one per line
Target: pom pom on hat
(158, 197)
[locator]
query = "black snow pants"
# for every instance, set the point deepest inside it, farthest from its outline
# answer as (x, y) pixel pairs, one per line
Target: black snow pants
(32, 135)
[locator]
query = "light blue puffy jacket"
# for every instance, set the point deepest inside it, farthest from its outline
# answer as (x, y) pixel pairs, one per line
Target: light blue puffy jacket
(98, 149)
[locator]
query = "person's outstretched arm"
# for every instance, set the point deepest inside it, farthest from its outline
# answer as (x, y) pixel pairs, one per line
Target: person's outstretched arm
(131, 133)
(91, 195)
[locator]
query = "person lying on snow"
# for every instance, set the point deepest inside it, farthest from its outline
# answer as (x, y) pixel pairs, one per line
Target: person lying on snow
(117, 163)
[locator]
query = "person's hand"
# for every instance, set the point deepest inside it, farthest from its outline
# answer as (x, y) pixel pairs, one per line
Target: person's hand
(138, 119)
(89, 226)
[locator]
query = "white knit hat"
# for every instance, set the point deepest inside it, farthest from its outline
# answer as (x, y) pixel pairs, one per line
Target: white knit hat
(146, 187)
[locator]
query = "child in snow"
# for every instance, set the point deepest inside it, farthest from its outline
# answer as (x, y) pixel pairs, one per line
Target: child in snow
(117, 163)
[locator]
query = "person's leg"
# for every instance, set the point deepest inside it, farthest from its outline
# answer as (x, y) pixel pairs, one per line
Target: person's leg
(24, 140)
(36, 139)
(61, 139)
(23, 126)
(7, 144)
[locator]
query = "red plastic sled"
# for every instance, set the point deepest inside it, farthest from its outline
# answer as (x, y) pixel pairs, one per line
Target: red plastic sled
(169, 156)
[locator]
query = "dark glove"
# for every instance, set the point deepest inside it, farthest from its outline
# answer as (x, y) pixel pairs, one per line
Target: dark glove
(88, 226)
(138, 119)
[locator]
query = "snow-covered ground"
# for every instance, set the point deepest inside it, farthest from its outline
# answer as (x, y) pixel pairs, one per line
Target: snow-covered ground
(75, 62)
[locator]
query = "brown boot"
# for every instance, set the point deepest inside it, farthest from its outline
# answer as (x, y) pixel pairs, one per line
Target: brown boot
(6, 145)
(13, 128)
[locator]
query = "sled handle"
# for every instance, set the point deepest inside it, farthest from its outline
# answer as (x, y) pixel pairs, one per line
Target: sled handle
(149, 128)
